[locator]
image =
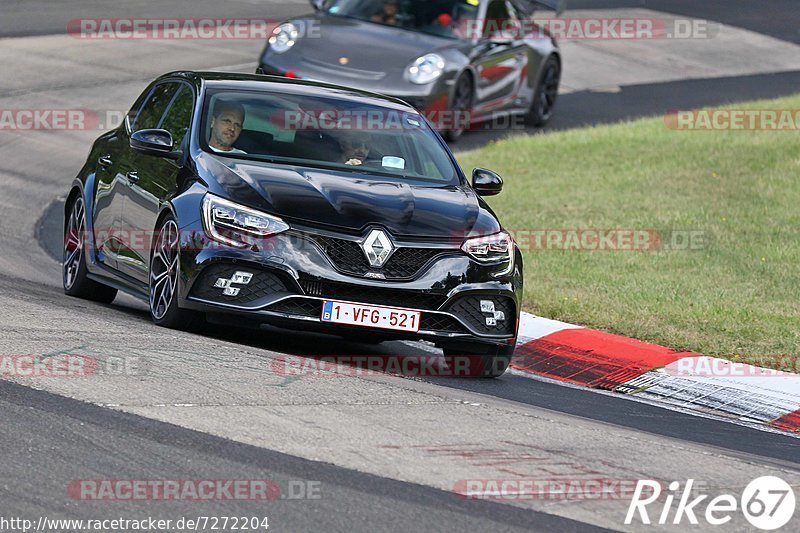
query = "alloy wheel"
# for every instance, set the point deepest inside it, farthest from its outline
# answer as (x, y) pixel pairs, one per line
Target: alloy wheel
(548, 92)
(462, 101)
(164, 269)
(73, 243)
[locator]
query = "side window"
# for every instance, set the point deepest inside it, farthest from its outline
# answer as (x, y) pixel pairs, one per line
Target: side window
(153, 109)
(498, 20)
(179, 116)
(131, 117)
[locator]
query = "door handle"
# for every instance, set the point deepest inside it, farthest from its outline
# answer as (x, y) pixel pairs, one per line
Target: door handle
(105, 161)
(133, 177)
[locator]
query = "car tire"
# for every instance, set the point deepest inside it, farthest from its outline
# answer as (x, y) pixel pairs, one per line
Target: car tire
(546, 94)
(463, 96)
(493, 361)
(165, 271)
(74, 273)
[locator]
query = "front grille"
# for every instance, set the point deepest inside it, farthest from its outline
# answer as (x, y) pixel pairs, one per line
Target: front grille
(372, 295)
(468, 308)
(405, 263)
(263, 284)
(298, 307)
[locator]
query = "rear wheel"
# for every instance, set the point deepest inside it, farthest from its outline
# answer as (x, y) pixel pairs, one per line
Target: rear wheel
(483, 362)
(165, 268)
(546, 94)
(74, 272)
(460, 109)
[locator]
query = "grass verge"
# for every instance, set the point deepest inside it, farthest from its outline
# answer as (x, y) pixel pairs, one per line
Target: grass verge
(736, 293)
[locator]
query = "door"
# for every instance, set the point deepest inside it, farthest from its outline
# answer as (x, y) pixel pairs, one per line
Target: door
(110, 188)
(502, 58)
(153, 180)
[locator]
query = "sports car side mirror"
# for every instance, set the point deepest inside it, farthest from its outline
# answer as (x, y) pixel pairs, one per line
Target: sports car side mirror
(317, 4)
(486, 183)
(154, 142)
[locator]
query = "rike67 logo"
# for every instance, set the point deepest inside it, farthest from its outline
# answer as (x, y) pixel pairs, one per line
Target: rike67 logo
(768, 503)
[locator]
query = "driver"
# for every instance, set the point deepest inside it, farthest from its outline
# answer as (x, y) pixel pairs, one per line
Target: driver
(226, 126)
(355, 148)
(389, 15)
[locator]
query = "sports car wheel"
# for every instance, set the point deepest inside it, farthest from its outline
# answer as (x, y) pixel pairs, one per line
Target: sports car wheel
(483, 362)
(544, 99)
(74, 272)
(460, 109)
(165, 267)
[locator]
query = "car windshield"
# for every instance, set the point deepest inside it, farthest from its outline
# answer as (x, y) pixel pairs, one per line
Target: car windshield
(446, 18)
(326, 132)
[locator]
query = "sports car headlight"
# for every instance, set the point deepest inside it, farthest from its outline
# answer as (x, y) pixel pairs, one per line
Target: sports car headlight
(426, 69)
(237, 225)
(283, 37)
(497, 248)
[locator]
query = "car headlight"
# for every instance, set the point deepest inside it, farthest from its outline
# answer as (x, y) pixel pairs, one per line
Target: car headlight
(283, 37)
(497, 248)
(426, 69)
(237, 225)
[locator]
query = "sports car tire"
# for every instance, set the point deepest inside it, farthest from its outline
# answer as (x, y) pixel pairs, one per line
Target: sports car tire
(74, 272)
(460, 107)
(544, 99)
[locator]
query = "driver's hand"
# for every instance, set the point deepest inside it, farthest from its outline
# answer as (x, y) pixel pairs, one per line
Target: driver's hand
(354, 161)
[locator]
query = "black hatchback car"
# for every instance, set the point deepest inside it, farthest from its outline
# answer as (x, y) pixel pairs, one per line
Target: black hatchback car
(260, 199)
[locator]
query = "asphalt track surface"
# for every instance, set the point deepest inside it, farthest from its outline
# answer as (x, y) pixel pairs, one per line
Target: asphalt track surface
(385, 450)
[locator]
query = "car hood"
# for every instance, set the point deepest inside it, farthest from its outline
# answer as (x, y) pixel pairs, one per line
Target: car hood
(349, 201)
(368, 47)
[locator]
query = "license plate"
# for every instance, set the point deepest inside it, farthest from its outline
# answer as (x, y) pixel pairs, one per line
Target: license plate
(370, 316)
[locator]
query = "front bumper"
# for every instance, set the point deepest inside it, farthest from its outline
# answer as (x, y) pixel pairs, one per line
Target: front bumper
(295, 272)
(430, 99)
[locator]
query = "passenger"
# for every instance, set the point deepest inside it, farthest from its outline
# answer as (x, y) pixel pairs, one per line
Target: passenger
(226, 126)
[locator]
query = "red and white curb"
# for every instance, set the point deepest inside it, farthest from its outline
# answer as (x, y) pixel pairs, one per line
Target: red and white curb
(683, 380)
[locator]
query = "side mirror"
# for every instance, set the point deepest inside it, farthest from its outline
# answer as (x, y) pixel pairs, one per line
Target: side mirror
(486, 183)
(154, 142)
(317, 4)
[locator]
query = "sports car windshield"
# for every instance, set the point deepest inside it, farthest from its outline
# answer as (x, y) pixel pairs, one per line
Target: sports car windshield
(447, 18)
(325, 132)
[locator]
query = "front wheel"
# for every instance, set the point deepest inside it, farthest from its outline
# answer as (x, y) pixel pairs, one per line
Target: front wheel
(74, 272)
(165, 269)
(460, 109)
(491, 362)
(546, 94)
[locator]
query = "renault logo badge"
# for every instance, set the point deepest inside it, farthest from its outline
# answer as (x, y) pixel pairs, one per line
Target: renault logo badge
(377, 247)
